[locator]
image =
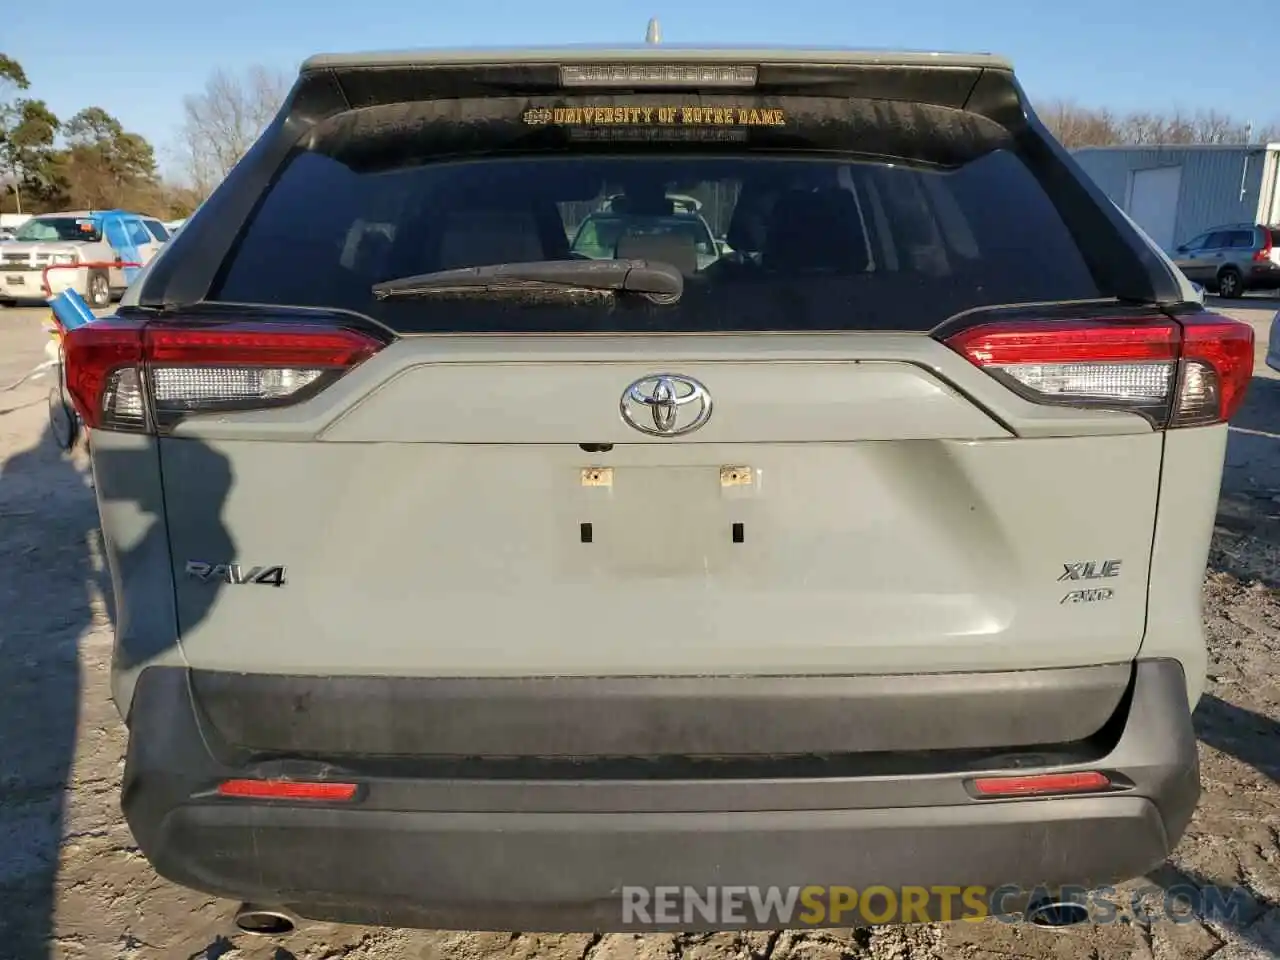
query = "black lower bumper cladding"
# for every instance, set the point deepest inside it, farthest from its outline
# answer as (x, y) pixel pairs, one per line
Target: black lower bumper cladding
(603, 853)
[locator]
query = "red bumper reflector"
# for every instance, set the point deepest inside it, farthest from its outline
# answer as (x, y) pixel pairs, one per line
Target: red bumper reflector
(286, 790)
(1040, 784)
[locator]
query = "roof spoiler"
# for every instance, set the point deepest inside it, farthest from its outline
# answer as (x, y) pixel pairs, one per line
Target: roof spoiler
(327, 86)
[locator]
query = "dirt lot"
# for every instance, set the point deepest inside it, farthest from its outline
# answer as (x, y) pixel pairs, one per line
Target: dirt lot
(72, 883)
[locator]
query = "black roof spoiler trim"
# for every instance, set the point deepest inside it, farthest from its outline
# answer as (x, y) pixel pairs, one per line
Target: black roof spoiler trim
(319, 94)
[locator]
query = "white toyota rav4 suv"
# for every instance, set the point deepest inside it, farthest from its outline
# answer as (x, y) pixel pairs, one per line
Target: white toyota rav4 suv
(463, 581)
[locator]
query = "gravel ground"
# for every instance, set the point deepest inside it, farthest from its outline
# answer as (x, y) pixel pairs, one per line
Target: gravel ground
(73, 884)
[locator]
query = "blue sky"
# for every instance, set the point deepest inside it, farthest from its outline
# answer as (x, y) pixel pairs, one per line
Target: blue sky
(1124, 54)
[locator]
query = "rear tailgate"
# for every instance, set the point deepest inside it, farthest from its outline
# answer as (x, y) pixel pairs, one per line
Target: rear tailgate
(838, 514)
(842, 493)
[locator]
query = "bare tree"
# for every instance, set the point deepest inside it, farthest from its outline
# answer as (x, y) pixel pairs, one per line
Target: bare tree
(1268, 134)
(222, 122)
(1076, 126)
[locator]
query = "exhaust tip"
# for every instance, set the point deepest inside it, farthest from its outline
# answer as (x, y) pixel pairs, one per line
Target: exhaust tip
(263, 921)
(1057, 914)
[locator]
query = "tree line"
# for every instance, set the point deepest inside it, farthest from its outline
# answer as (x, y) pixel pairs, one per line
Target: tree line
(87, 161)
(91, 161)
(1077, 126)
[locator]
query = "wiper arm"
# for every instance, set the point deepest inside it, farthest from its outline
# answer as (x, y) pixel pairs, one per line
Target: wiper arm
(555, 280)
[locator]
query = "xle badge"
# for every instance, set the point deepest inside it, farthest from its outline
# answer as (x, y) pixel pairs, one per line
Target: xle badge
(234, 574)
(1090, 570)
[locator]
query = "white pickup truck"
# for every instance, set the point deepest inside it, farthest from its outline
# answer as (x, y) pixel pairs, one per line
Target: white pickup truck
(75, 244)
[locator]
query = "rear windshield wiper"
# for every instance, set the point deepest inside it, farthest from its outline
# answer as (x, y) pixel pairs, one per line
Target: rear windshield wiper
(557, 281)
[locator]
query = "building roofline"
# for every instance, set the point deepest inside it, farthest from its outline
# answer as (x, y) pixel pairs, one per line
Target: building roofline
(1134, 147)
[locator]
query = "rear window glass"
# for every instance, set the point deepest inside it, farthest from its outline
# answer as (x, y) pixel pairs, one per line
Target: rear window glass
(1275, 236)
(875, 221)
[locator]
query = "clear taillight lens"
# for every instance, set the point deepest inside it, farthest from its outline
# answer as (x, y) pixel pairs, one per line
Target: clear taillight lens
(1127, 382)
(196, 388)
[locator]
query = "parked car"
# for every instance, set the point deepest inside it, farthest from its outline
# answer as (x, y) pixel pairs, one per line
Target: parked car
(475, 611)
(600, 234)
(65, 240)
(1233, 259)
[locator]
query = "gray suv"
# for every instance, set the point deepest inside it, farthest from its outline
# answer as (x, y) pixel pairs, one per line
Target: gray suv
(1233, 259)
(462, 582)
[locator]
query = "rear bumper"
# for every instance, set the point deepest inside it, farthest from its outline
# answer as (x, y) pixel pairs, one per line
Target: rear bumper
(23, 285)
(26, 284)
(1264, 275)
(513, 852)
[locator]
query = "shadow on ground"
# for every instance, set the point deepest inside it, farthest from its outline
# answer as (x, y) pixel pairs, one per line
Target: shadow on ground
(1250, 301)
(1247, 535)
(47, 520)
(55, 592)
(1231, 912)
(1249, 737)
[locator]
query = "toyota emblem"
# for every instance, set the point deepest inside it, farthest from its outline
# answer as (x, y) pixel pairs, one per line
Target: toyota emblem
(666, 405)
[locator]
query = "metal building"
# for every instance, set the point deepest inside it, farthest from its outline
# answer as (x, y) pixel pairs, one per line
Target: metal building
(1176, 192)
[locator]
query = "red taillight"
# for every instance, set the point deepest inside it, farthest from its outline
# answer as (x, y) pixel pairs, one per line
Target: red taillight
(1264, 255)
(1041, 784)
(1063, 341)
(256, 346)
(287, 790)
(120, 373)
(95, 357)
(1217, 365)
(1176, 373)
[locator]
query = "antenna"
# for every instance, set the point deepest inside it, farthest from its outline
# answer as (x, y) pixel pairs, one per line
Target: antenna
(653, 35)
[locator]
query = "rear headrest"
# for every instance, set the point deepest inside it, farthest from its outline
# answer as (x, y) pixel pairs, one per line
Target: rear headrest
(676, 249)
(652, 206)
(817, 230)
(746, 228)
(371, 253)
(476, 238)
